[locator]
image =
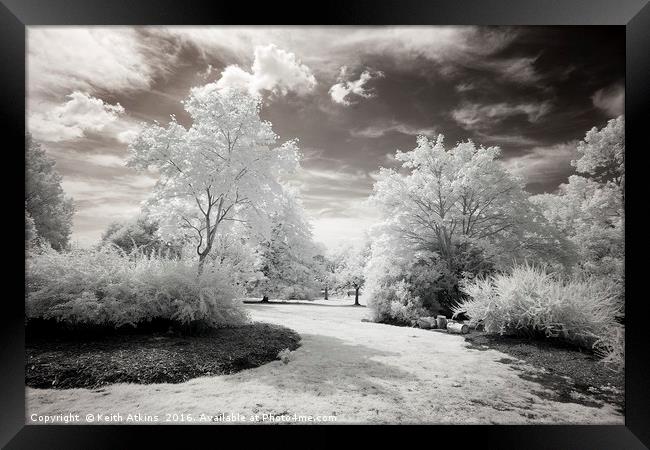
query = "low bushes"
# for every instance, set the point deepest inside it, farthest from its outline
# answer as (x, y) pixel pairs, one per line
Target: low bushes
(394, 303)
(105, 287)
(530, 302)
(298, 292)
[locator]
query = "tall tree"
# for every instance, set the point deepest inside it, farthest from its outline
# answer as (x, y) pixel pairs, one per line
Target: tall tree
(350, 268)
(46, 204)
(602, 153)
(31, 237)
(451, 213)
(288, 258)
(462, 196)
(325, 273)
(589, 209)
(226, 167)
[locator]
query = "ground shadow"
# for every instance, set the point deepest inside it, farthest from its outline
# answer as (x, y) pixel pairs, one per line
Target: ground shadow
(566, 374)
(326, 365)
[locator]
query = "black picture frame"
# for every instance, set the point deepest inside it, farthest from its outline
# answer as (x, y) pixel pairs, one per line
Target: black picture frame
(634, 15)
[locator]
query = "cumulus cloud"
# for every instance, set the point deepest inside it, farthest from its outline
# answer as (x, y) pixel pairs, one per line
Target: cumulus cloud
(344, 88)
(274, 69)
(451, 49)
(611, 100)
(474, 116)
(328, 46)
(126, 136)
(72, 119)
(127, 58)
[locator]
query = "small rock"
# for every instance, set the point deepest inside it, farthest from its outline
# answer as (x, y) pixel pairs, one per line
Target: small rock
(285, 356)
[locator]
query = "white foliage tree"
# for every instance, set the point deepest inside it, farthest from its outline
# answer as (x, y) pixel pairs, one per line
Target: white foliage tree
(235, 253)
(48, 211)
(589, 209)
(350, 267)
(602, 153)
(458, 196)
(325, 272)
(446, 214)
(225, 168)
(288, 258)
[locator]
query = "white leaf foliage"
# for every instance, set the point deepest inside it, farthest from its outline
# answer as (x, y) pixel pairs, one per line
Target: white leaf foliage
(226, 168)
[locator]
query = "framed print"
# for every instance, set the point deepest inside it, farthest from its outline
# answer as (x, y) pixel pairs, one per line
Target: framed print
(382, 214)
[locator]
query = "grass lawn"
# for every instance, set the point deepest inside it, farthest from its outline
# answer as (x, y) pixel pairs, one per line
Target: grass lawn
(65, 362)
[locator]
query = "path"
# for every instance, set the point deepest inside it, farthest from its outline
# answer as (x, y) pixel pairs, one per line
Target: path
(351, 370)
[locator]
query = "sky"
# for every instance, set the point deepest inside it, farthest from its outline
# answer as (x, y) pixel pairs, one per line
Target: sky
(351, 95)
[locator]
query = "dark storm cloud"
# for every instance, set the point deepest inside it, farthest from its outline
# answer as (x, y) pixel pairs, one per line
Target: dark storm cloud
(351, 95)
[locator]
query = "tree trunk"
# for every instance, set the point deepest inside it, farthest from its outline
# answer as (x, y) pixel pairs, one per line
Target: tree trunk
(201, 262)
(356, 297)
(326, 296)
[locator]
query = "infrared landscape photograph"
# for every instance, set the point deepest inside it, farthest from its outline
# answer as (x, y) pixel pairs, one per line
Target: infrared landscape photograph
(325, 224)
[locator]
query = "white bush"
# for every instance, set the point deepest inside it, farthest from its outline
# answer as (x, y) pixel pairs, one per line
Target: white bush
(298, 292)
(528, 301)
(393, 303)
(110, 288)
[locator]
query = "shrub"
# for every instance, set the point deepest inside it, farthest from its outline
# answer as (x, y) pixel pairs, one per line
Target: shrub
(434, 281)
(531, 302)
(106, 287)
(394, 303)
(298, 292)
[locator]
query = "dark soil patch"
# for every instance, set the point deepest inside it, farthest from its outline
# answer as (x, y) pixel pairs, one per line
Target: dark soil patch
(67, 362)
(572, 375)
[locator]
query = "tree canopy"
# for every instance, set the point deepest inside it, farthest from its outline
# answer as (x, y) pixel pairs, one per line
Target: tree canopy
(224, 168)
(451, 197)
(140, 233)
(602, 153)
(589, 209)
(48, 211)
(288, 258)
(450, 213)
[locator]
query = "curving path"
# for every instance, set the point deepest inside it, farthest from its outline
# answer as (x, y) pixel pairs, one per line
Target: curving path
(349, 370)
